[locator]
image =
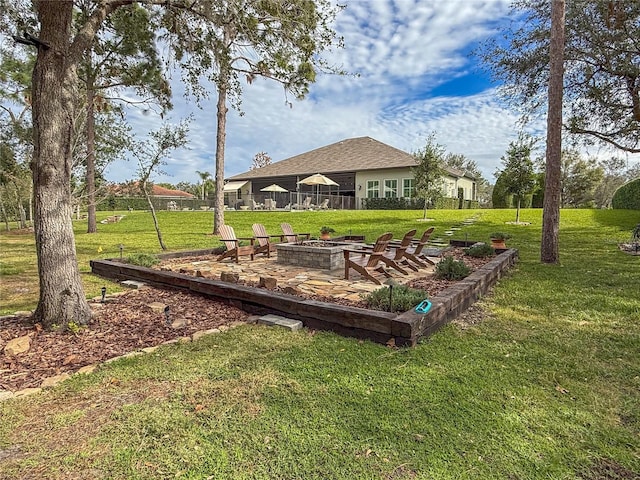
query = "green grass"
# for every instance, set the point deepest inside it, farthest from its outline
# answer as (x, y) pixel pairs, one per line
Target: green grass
(548, 386)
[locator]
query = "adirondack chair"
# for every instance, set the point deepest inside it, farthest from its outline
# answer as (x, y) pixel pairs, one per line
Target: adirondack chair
(367, 261)
(398, 254)
(234, 249)
(264, 242)
(414, 251)
(292, 237)
(256, 206)
(324, 205)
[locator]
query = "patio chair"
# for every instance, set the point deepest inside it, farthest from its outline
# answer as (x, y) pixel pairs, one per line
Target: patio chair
(264, 242)
(393, 259)
(306, 204)
(415, 251)
(234, 249)
(256, 206)
(367, 261)
(292, 237)
(413, 254)
(324, 205)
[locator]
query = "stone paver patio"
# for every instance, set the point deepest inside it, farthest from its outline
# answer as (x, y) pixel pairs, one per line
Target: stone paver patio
(308, 280)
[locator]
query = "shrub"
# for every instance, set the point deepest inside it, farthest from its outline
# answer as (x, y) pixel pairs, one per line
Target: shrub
(481, 250)
(451, 269)
(635, 234)
(143, 259)
(499, 236)
(500, 197)
(404, 298)
(627, 196)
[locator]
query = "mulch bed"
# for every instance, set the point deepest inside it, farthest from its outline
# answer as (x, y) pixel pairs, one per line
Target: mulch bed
(126, 323)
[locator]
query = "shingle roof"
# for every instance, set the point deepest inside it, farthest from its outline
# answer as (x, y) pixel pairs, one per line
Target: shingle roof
(350, 155)
(158, 191)
(132, 189)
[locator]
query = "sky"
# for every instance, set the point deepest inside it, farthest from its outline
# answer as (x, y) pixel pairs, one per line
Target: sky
(415, 77)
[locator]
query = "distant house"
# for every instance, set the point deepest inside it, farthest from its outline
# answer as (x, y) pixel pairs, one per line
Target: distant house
(363, 168)
(131, 189)
(158, 191)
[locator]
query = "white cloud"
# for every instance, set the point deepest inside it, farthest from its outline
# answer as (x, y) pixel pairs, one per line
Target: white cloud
(401, 50)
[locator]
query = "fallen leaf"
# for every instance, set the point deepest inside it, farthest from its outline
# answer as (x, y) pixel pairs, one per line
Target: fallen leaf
(561, 389)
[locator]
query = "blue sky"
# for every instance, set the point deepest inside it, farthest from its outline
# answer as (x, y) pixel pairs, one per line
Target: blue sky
(415, 77)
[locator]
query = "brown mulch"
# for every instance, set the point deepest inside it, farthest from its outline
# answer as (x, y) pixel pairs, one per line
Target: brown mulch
(126, 323)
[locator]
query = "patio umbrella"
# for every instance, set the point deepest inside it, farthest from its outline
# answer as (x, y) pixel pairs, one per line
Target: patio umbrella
(318, 179)
(274, 187)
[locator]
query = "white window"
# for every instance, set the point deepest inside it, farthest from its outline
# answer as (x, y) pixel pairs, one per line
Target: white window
(390, 188)
(373, 188)
(408, 187)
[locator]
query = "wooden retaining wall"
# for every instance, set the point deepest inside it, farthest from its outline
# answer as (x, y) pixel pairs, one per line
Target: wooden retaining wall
(404, 329)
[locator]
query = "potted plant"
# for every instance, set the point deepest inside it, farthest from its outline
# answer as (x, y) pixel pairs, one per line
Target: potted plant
(498, 239)
(325, 232)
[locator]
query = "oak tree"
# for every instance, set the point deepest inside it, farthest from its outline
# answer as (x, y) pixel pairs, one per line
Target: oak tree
(282, 36)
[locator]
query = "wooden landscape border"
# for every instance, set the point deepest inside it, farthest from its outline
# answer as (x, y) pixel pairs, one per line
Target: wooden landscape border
(404, 329)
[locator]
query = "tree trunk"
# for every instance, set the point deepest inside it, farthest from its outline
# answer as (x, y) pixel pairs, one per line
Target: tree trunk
(4, 215)
(518, 211)
(91, 160)
(62, 298)
(153, 214)
(23, 215)
(549, 249)
(221, 133)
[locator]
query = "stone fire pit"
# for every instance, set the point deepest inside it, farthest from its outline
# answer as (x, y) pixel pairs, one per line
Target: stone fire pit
(326, 255)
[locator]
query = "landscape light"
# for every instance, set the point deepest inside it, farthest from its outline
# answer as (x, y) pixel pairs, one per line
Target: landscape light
(391, 283)
(104, 294)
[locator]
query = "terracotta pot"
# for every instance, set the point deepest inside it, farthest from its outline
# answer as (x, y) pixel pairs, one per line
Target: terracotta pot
(325, 236)
(498, 244)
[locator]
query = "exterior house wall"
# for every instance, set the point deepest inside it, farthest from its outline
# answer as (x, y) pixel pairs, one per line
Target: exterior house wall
(452, 184)
(384, 176)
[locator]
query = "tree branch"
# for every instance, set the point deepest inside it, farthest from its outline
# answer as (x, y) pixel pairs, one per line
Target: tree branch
(604, 138)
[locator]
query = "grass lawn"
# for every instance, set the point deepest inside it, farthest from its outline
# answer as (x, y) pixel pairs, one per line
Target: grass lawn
(548, 386)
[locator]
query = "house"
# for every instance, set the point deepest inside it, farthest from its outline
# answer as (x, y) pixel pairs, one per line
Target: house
(132, 189)
(128, 195)
(363, 168)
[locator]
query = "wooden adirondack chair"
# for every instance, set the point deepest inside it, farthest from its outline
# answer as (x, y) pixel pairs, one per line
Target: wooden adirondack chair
(292, 237)
(234, 249)
(367, 261)
(412, 256)
(264, 240)
(415, 252)
(393, 259)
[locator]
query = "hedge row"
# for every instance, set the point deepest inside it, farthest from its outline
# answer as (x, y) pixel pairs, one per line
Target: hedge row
(444, 203)
(140, 203)
(627, 196)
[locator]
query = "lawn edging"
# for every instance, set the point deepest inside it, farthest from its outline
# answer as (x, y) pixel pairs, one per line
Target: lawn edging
(383, 327)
